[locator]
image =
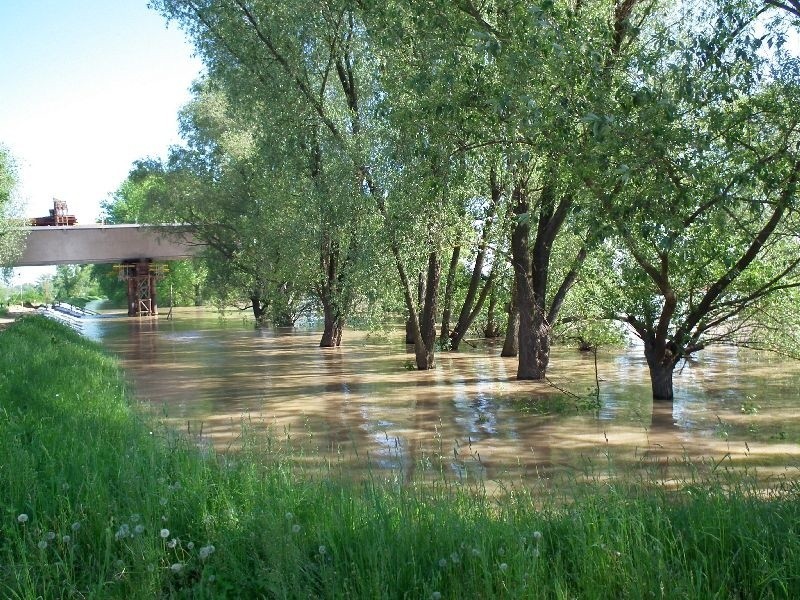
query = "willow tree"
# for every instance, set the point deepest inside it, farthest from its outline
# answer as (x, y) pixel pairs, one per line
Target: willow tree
(224, 183)
(543, 69)
(317, 55)
(701, 188)
(10, 238)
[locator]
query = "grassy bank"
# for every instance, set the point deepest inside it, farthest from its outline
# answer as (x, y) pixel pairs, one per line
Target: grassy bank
(98, 501)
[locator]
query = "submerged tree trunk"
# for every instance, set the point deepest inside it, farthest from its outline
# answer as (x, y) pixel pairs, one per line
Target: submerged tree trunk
(532, 272)
(533, 356)
(534, 335)
(492, 329)
(333, 326)
(661, 361)
(420, 300)
(259, 309)
(511, 343)
(334, 293)
(444, 334)
(425, 355)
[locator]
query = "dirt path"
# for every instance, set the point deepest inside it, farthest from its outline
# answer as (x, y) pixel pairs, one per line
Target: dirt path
(15, 311)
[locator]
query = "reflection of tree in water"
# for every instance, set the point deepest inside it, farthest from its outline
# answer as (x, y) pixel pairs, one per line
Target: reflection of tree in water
(662, 419)
(143, 333)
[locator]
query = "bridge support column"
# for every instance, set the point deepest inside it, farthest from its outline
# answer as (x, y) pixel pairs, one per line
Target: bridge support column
(141, 277)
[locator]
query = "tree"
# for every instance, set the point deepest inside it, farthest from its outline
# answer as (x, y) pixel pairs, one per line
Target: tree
(316, 55)
(791, 6)
(551, 66)
(701, 187)
(73, 283)
(10, 237)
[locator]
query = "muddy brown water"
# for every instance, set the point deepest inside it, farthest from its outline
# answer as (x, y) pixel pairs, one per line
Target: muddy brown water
(360, 408)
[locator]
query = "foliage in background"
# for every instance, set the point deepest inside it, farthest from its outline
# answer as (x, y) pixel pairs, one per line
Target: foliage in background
(10, 239)
(184, 284)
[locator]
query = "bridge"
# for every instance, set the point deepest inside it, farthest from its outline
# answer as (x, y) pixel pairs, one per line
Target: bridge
(135, 248)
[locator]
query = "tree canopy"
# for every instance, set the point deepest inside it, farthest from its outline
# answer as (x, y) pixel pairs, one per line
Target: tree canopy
(9, 238)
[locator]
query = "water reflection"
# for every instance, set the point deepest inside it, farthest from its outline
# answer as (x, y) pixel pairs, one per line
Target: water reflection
(358, 405)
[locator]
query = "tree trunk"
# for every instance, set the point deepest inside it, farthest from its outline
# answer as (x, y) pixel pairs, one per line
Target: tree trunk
(661, 362)
(259, 310)
(532, 271)
(491, 330)
(427, 326)
(468, 309)
(461, 331)
(444, 334)
(534, 337)
(333, 326)
(530, 365)
(420, 300)
(331, 292)
(511, 343)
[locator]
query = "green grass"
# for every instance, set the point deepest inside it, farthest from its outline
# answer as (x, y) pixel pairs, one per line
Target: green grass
(99, 480)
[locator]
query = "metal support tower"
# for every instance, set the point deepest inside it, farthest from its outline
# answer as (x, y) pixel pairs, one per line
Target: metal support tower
(141, 277)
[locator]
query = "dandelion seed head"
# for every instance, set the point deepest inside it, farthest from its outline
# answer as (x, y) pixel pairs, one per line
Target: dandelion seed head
(442, 563)
(436, 596)
(176, 567)
(476, 552)
(211, 579)
(162, 501)
(503, 567)
(536, 553)
(66, 539)
(295, 528)
(289, 516)
(501, 551)
(50, 535)
(537, 535)
(151, 568)
(206, 551)
(172, 543)
(135, 518)
(42, 545)
(190, 545)
(455, 558)
(139, 529)
(22, 518)
(76, 526)
(164, 533)
(322, 550)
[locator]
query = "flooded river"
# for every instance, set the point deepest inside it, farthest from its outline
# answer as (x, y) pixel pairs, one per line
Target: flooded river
(361, 407)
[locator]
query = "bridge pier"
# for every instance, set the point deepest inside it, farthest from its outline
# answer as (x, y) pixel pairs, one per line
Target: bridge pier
(141, 277)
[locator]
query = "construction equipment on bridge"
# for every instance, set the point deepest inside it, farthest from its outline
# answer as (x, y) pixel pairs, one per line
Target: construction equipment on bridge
(141, 276)
(58, 216)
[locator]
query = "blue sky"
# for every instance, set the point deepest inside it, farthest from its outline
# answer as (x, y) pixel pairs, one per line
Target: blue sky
(86, 88)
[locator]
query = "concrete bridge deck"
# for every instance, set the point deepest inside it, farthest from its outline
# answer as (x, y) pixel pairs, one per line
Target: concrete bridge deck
(95, 244)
